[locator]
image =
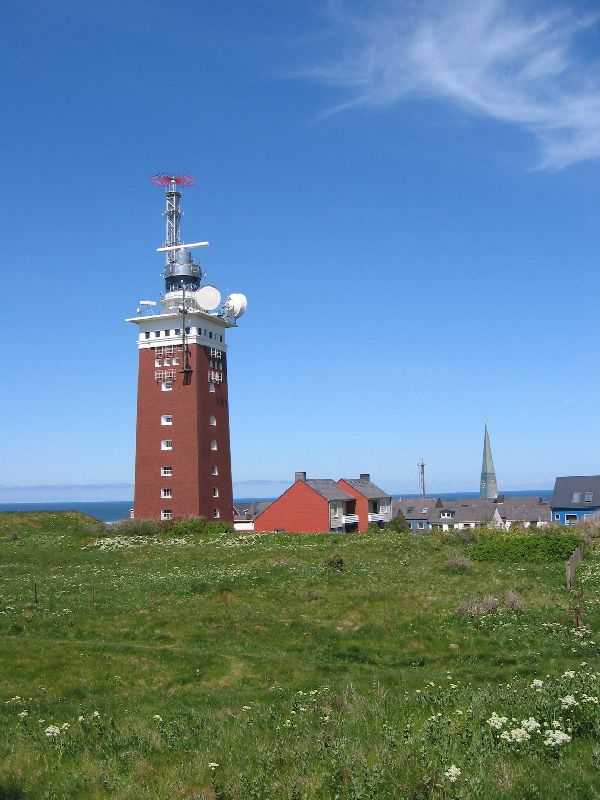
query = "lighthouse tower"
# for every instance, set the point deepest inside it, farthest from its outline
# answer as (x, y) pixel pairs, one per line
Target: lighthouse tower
(182, 459)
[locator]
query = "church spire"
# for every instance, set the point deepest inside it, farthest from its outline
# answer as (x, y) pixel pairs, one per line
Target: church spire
(488, 486)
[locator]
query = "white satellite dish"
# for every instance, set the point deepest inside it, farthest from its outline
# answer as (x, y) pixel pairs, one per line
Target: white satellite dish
(236, 305)
(208, 297)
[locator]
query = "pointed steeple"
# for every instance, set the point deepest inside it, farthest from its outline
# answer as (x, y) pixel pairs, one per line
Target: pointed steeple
(488, 486)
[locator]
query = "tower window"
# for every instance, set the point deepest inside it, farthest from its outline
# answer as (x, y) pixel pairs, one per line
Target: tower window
(213, 420)
(220, 337)
(166, 419)
(147, 335)
(211, 388)
(167, 386)
(215, 470)
(215, 492)
(166, 492)
(177, 331)
(213, 444)
(167, 333)
(166, 470)
(167, 362)
(166, 444)
(166, 513)
(216, 513)
(210, 334)
(157, 334)
(175, 361)
(188, 330)
(157, 362)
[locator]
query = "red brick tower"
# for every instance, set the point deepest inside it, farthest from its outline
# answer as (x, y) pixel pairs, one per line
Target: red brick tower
(183, 460)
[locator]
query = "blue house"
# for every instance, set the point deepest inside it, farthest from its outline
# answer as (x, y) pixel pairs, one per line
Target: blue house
(575, 497)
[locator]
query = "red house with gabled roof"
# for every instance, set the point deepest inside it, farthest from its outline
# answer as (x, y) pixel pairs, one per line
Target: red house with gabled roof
(315, 505)
(310, 506)
(373, 505)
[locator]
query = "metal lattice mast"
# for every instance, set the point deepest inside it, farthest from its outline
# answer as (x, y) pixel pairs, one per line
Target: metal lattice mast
(171, 184)
(421, 466)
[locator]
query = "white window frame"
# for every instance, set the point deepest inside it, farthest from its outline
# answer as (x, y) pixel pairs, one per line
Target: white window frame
(165, 492)
(214, 470)
(166, 419)
(213, 444)
(166, 471)
(215, 492)
(166, 513)
(166, 444)
(216, 513)
(213, 421)
(167, 386)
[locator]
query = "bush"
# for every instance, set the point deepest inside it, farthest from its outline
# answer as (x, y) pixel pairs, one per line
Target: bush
(514, 601)
(458, 564)
(490, 604)
(135, 527)
(475, 607)
(397, 525)
(335, 562)
(533, 548)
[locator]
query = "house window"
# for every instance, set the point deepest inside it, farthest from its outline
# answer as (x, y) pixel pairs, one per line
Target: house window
(215, 492)
(215, 470)
(576, 497)
(336, 510)
(446, 515)
(213, 420)
(587, 497)
(557, 517)
(570, 519)
(166, 513)
(167, 386)
(213, 444)
(164, 471)
(216, 513)
(166, 444)
(166, 419)
(166, 493)
(420, 525)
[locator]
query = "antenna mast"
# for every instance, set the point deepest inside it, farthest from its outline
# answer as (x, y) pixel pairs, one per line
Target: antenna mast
(421, 466)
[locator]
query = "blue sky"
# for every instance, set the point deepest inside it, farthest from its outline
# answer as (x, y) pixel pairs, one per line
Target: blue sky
(407, 193)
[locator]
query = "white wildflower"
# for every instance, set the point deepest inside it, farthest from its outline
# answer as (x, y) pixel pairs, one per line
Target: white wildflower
(95, 715)
(530, 724)
(80, 718)
(536, 684)
(212, 765)
(495, 721)
(517, 735)
(246, 708)
(23, 714)
(157, 717)
(568, 701)
(452, 773)
(588, 698)
(556, 738)
(569, 674)
(65, 726)
(52, 731)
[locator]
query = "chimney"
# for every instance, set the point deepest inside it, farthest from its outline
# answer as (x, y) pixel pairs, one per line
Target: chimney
(365, 476)
(299, 476)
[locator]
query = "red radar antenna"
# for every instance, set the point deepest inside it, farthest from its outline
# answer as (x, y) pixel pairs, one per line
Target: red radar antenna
(164, 179)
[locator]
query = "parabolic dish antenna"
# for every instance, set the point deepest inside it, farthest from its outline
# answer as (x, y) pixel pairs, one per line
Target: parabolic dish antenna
(208, 297)
(236, 305)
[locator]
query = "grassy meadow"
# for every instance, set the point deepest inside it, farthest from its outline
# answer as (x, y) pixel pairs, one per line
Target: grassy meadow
(302, 667)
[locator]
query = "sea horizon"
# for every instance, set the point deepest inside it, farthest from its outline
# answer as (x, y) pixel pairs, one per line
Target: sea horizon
(118, 510)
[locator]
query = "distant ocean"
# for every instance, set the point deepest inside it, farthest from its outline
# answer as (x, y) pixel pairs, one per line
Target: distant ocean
(118, 510)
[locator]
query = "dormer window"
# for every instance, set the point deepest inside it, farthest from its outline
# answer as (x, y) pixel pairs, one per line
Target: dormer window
(576, 497)
(587, 498)
(446, 514)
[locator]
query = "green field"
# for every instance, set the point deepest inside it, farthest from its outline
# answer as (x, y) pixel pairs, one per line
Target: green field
(304, 666)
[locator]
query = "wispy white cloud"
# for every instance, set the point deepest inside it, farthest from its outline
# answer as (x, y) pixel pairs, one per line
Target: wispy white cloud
(492, 58)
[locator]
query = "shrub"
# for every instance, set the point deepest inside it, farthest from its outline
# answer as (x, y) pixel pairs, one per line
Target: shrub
(458, 564)
(461, 536)
(489, 604)
(514, 601)
(335, 562)
(534, 548)
(135, 527)
(397, 525)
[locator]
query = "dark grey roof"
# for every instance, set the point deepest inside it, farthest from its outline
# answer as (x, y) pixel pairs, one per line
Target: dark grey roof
(415, 508)
(566, 487)
(524, 509)
(249, 511)
(328, 489)
(477, 510)
(366, 488)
